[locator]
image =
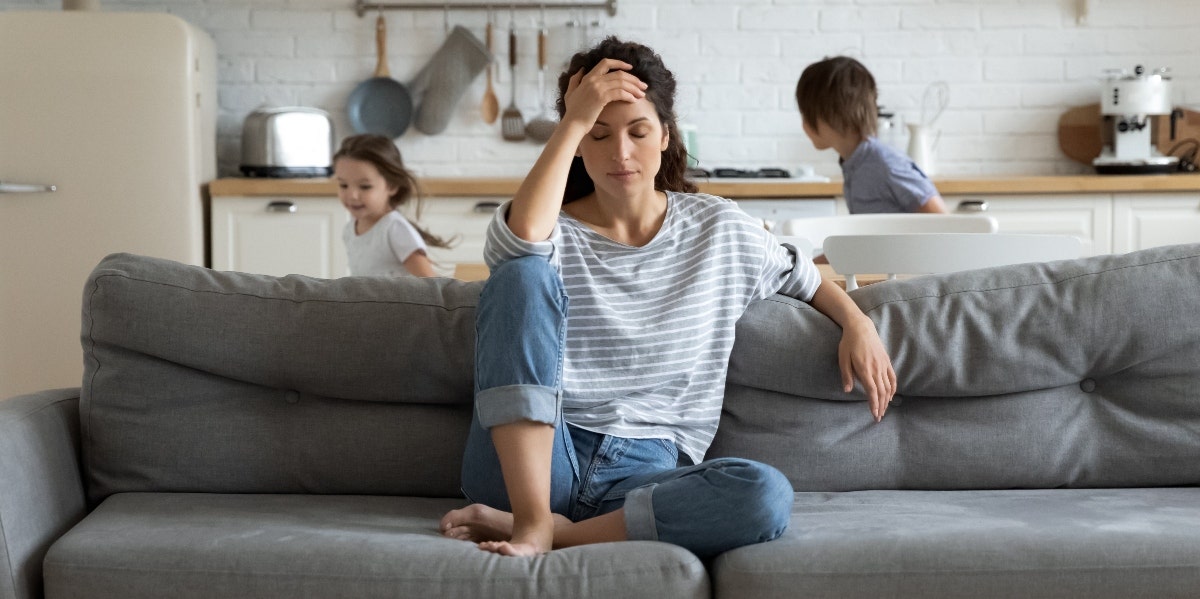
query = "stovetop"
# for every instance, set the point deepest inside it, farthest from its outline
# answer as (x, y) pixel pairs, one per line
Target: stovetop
(737, 173)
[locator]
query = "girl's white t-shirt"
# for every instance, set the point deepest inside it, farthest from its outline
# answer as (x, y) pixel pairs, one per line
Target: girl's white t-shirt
(383, 249)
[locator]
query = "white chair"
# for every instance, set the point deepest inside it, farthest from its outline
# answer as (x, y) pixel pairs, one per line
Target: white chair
(817, 228)
(928, 253)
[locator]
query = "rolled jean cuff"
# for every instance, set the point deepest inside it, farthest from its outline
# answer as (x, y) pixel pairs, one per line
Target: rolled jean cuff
(639, 514)
(512, 403)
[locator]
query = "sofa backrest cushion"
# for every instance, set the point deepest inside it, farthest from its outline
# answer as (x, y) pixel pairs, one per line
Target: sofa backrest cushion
(204, 381)
(1080, 373)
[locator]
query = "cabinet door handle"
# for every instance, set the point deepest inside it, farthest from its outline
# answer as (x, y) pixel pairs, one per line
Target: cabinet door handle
(972, 206)
(24, 188)
(485, 207)
(281, 206)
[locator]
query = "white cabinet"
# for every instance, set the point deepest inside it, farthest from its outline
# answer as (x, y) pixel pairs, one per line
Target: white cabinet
(1086, 216)
(303, 235)
(1147, 220)
(463, 220)
(279, 236)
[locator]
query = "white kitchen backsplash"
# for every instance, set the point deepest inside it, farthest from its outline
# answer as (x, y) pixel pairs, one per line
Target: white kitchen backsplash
(1012, 67)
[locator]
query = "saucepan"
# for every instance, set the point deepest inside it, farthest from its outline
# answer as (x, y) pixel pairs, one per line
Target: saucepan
(380, 104)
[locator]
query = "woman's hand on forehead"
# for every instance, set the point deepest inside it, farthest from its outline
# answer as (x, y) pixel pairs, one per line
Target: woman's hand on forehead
(608, 81)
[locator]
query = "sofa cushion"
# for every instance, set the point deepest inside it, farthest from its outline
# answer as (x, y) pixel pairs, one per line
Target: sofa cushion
(1079, 373)
(199, 380)
(1096, 543)
(156, 545)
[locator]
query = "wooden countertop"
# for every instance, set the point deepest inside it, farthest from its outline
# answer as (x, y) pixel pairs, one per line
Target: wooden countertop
(506, 187)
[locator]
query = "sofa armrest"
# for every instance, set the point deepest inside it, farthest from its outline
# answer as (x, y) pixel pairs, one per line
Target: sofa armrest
(41, 487)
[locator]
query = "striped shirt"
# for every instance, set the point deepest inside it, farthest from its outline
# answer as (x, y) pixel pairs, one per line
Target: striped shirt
(650, 329)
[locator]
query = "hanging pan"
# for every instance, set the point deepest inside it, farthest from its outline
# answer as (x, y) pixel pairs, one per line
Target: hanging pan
(380, 104)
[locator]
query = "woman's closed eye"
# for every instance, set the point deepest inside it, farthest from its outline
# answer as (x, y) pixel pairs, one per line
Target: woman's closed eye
(634, 134)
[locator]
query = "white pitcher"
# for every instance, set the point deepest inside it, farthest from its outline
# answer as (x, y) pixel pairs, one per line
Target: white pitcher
(922, 142)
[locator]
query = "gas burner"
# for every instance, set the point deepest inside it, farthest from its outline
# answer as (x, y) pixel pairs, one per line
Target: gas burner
(737, 173)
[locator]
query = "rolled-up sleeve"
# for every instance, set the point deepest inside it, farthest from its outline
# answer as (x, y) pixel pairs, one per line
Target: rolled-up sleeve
(503, 245)
(788, 271)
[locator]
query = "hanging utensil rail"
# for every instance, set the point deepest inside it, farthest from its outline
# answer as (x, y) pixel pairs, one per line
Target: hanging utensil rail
(361, 7)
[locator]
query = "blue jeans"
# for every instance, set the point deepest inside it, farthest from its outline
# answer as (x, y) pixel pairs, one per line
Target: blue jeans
(707, 508)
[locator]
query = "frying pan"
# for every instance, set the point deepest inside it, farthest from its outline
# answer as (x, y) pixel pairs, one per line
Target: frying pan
(380, 104)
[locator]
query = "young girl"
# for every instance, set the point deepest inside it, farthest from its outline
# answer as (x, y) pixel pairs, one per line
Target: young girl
(372, 184)
(604, 334)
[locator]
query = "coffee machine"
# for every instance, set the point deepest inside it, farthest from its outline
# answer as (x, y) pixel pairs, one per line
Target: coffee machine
(1130, 103)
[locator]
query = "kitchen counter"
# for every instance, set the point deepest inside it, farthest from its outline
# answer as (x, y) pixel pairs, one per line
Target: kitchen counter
(764, 188)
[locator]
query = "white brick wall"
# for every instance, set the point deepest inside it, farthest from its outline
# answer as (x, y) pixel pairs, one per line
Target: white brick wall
(1013, 66)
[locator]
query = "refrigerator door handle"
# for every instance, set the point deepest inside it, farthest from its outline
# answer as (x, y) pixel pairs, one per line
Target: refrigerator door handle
(25, 188)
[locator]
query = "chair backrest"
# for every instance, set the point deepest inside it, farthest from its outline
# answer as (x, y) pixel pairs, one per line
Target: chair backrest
(816, 229)
(927, 253)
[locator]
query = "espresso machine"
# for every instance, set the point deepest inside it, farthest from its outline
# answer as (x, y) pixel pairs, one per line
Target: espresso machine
(1130, 103)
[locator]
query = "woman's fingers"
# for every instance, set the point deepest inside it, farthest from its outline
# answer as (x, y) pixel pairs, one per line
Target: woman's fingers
(610, 64)
(878, 382)
(611, 74)
(589, 92)
(885, 387)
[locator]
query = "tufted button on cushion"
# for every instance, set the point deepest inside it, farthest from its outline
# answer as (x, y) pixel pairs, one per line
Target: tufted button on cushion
(1088, 385)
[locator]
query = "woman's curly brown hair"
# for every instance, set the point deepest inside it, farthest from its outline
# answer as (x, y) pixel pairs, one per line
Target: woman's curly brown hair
(649, 68)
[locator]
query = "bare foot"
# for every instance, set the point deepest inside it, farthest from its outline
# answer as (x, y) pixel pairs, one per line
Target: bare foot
(492, 530)
(512, 549)
(477, 523)
(528, 540)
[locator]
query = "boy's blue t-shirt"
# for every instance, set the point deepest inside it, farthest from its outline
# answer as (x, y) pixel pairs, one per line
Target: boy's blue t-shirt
(880, 179)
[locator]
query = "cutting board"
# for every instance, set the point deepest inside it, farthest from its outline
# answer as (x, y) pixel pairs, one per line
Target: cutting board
(1080, 133)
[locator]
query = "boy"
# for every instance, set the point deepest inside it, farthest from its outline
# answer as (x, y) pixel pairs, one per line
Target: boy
(837, 99)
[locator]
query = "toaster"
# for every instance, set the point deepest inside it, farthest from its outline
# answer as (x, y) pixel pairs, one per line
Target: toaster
(287, 141)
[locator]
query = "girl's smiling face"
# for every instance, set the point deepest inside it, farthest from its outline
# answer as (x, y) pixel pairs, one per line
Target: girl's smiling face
(623, 151)
(363, 190)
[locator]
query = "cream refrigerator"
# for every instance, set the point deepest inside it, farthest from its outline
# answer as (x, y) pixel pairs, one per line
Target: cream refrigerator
(107, 134)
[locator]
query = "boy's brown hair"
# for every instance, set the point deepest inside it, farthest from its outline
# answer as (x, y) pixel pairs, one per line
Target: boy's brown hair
(839, 92)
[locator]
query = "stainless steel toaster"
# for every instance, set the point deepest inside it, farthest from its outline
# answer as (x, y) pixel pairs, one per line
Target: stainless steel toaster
(287, 141)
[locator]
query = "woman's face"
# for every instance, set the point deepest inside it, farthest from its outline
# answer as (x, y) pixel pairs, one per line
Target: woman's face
(623, 151)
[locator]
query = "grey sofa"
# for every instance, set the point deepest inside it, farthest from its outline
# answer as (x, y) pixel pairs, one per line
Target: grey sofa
(248, 436)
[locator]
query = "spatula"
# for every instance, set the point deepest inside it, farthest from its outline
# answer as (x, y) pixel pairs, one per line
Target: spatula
(512, 124)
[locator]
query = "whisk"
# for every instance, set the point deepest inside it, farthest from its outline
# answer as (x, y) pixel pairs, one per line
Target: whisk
(934, 101)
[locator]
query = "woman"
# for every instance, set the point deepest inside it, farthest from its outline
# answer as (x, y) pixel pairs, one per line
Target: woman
(605, 330)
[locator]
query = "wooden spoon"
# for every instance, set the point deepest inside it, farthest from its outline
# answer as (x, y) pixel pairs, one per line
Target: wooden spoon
(491, 105)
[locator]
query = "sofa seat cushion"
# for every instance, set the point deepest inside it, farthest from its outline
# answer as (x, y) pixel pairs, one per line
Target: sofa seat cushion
(1012, 543)
(214, 545)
